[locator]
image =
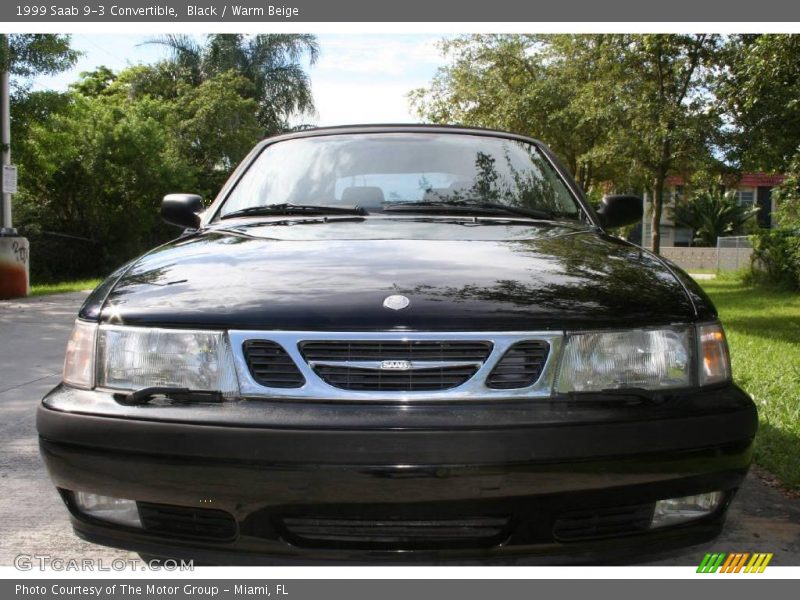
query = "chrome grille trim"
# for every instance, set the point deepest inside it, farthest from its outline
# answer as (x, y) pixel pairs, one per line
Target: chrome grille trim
(378, 365)
(315, 388)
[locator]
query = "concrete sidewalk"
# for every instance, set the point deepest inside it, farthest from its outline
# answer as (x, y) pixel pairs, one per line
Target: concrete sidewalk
(33, 520)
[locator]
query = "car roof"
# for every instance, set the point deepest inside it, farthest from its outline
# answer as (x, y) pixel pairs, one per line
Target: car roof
(397, 128)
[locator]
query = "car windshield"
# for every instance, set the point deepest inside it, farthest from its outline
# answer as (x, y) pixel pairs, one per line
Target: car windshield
(387, 172)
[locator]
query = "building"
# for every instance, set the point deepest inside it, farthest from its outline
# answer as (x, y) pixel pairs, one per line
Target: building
(752, 188)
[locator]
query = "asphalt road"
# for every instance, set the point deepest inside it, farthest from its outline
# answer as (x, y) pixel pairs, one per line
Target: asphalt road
(33, 334)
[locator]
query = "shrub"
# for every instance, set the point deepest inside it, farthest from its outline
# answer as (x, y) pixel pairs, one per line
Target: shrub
(712, 214)
(776, 253)
(776, 257)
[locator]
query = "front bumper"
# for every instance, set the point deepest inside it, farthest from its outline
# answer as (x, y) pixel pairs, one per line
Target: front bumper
(511, 473)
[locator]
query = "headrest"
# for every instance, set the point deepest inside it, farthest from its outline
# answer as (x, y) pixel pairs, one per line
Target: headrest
(363, 196)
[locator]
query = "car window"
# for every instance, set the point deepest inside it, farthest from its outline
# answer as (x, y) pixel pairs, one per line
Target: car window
(376, 170)
(397, 187)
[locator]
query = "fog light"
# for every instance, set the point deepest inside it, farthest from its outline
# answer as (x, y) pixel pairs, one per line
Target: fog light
(673, 511)
(106, 508)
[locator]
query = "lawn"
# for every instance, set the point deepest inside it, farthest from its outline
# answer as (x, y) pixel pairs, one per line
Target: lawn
(41, 289)
(763, 328)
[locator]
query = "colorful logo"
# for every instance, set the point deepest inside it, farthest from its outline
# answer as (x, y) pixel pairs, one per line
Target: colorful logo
(735, 562)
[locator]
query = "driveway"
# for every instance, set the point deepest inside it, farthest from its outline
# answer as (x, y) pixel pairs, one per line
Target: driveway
(33, 334)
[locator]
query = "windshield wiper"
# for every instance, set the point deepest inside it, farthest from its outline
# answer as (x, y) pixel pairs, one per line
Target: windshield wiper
(471, 208)
(295, 209)
(147, 394)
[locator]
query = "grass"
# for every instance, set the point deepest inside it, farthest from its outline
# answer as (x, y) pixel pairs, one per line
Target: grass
(702, 271)
(763, 329)
(42, 289)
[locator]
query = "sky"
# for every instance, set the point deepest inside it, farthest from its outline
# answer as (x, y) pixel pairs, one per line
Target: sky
(357, 79)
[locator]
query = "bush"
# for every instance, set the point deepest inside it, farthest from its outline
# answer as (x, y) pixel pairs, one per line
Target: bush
(711, 215)
(776, 257)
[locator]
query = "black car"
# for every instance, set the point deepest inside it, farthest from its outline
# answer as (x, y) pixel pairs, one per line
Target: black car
(398, 343)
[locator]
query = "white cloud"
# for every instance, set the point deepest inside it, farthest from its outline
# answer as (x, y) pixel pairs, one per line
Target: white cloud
(367, 78)
(377, 55)
(350, 103)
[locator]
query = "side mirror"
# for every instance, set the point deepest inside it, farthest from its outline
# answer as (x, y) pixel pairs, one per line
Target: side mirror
(617, 211)
(182, 210)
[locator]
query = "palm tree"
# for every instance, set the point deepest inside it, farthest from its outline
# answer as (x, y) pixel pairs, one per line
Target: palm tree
(711, 215)
(272, 62)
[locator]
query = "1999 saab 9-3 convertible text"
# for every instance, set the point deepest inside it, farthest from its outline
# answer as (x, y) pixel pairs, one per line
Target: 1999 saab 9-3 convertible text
(397, 343)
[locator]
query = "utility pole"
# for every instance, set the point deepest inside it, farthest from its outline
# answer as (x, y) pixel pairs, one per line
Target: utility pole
(13, 249)
(5, 140)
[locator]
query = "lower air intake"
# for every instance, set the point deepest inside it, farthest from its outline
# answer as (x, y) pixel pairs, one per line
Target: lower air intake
(187, 522)
(603, 522)
(395, 533)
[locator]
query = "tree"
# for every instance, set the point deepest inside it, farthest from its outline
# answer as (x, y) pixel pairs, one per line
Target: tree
(761, 91)
(787, 196)
(216, 125)
(94, 83)
(27, 55)
(670, 122)
(630, 108)
(99, 158)
(530, 84)
(212, 125)
(95, 172)
(271, 62)
(712, 214)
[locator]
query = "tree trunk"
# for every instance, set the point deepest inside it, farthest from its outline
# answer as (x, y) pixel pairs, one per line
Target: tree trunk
(658, 203)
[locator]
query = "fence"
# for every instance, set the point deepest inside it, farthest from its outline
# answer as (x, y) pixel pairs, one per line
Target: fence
(731, 253)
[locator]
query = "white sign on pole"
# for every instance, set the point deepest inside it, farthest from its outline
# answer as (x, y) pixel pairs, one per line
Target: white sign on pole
(9, 179)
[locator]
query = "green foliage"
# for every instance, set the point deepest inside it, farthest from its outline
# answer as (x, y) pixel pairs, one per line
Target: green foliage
(96, 160)
(95, 172)
(776, 252)
(94, 83)
(787, 196)
(624, 108)
(530, 84)
(712, 214)
(760, 91)
(270, 62)
(776, 257)
(216, 125)
(26, 55)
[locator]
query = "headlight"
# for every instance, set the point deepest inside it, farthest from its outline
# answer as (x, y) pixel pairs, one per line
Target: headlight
(651, 359)
(132, 358)
(79, 359)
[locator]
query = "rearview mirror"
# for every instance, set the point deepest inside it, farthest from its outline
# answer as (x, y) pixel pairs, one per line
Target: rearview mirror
(617, 211)
(182, 210)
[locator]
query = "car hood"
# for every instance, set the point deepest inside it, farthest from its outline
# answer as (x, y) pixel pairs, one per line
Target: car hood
(568, 280)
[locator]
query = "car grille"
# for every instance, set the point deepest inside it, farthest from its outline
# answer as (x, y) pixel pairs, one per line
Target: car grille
(520, 366)
(427, 365)
(413, 380)
(271, 366)
(187, 522)
(396, 350)
(396, 533)
(390, 366)
(603, 522)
